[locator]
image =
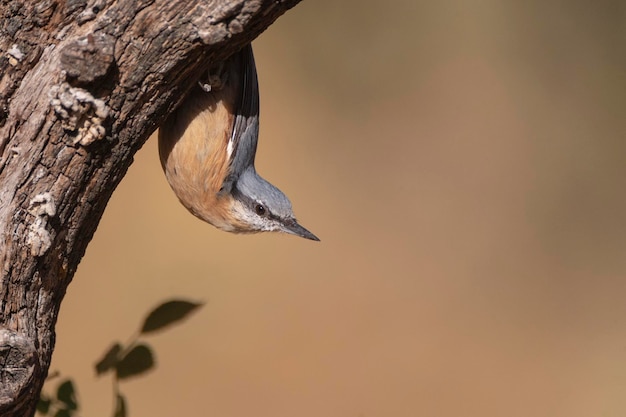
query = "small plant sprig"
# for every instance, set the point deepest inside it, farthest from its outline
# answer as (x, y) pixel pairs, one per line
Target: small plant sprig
(134, 358)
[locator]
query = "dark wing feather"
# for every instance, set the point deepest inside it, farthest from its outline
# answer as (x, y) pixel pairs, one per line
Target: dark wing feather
(243, 140)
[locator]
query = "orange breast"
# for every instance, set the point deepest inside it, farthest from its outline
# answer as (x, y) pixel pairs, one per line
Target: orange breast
(192, 148)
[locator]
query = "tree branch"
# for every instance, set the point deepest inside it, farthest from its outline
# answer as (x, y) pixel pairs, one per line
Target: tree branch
(83, 84)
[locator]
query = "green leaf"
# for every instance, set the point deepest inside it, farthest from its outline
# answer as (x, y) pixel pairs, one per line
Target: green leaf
(63, 413)
(43, 405)
(120, 407)
(67, 395)
(168, 313)
(135, 362)
(109, 360)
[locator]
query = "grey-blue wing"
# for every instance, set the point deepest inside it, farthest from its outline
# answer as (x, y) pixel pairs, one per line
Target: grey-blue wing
(243, 141)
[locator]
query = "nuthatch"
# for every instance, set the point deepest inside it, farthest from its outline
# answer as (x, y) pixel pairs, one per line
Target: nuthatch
(207, 148)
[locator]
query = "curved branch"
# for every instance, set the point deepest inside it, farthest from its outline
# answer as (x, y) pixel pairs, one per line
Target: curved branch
(83, 83)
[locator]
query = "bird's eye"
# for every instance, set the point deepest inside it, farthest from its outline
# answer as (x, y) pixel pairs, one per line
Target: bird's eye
(260, 209)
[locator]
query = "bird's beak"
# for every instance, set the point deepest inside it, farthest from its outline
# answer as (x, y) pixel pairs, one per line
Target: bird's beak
(291, 226)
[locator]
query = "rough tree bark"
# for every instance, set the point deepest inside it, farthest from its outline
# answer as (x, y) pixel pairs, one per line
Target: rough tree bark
(83, 83)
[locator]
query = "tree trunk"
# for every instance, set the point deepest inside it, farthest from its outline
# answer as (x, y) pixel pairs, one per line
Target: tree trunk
(83, 83)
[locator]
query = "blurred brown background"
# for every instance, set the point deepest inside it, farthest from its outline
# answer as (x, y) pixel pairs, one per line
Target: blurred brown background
(463, 164)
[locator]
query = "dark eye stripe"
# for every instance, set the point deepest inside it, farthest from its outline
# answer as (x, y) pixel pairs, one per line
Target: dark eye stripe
(236, 193)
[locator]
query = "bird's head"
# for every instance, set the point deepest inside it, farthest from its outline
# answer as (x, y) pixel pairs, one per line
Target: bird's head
(258, 206)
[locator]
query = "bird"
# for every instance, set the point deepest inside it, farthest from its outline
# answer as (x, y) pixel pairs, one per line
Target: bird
(207, 148)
